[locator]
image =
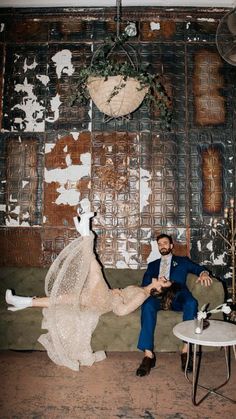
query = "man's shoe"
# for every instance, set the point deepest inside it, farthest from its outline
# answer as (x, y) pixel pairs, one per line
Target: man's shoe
(184, 361)
(146, 365)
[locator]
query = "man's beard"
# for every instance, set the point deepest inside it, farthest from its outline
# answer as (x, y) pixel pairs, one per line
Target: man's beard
(165, 252)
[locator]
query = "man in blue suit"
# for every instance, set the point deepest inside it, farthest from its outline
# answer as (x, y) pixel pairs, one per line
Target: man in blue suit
(168, 269)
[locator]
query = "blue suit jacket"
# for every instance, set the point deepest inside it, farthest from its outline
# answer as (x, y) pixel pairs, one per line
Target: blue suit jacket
(180, 267)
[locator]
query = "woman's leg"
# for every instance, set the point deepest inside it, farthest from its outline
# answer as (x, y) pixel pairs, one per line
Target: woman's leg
(40, 302)
(19, 303)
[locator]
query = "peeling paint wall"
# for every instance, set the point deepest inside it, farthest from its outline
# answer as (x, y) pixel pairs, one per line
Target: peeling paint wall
(139, 178)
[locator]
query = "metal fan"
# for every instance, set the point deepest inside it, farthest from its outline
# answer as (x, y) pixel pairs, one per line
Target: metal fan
(226, 37)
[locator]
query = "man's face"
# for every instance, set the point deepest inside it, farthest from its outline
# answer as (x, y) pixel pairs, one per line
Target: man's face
(164, 246)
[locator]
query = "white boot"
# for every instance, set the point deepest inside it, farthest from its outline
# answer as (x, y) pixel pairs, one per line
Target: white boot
(83, 226)
(18, 303)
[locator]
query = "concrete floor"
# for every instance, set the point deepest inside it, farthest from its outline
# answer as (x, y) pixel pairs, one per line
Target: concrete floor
(33, 387)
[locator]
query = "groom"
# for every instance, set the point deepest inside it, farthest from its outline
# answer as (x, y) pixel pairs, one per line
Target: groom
(167, 269)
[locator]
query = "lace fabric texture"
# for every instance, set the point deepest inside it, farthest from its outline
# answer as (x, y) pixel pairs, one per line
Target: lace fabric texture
(78, 295)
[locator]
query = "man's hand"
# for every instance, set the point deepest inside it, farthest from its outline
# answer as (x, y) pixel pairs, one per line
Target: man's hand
(204, 279)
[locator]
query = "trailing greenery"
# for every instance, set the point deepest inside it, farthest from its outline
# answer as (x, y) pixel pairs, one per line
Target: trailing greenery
(104, 65)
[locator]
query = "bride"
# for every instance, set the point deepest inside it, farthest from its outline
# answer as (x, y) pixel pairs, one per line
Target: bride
(76, 296)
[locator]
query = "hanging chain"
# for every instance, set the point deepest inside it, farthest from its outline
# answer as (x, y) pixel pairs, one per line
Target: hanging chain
(118, 17)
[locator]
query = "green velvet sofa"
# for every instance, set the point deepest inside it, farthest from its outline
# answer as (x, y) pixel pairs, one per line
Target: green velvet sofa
(20, 330)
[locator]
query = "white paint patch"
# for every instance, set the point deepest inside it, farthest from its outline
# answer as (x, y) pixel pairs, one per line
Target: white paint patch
(129, 262)
(62, 60)
(219, 260)
(55, 104)
(146, 232)
(11, 222)
(209, 245)
(24, 183)
(43, 79)
(199, 246)
(65, 149)
(85, 205)
(27, 67)
(12, 199)
(181, 233)
(67, 196)
(49, 148)
(145, 190)
(72, 173)
(121, 264)
(187, 25)
(75, 135)
(90, 114)
(44, 219)
(204, 19)
(68, 160)
(2, 27)
(16, 58)
(16, 210)
(33, 110)
(25, 224)
(25, 216)
(154, 254)
(155, 26)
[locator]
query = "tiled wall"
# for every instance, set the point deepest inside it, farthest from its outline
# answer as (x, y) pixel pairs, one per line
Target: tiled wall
(140, 179)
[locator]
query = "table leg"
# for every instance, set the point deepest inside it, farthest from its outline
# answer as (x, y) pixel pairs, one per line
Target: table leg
(196, 370)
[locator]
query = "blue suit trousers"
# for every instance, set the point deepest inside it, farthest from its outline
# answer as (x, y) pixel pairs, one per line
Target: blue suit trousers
(183, 301)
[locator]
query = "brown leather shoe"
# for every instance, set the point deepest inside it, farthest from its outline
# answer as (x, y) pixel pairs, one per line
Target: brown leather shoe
(184, 361)
(146, 365)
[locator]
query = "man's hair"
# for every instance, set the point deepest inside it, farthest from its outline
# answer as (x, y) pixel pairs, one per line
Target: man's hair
(163, 235)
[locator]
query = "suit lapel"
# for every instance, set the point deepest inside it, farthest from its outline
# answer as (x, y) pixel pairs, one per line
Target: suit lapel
(157, 268)
(173, 263)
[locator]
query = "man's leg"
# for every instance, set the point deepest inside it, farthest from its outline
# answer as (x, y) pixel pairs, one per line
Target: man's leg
(146, 338)
(185, 302)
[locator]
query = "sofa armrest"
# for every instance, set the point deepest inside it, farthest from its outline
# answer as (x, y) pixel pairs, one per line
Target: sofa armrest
(214, 294)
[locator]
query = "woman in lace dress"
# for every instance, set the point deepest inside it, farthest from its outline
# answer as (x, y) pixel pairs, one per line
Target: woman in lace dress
(76, 296)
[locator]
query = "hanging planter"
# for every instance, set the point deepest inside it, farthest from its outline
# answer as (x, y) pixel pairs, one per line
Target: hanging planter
(116, 96)
(118, 88)
(117, 83)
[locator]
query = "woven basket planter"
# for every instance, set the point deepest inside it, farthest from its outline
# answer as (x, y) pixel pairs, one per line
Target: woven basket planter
(128, 98)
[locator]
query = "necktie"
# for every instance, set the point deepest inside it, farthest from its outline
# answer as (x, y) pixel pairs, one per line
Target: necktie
(164, 268)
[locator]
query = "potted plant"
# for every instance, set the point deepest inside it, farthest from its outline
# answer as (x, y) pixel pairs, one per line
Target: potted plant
(117, 84)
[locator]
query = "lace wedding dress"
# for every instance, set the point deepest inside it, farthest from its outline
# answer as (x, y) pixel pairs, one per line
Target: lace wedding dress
(78, 295)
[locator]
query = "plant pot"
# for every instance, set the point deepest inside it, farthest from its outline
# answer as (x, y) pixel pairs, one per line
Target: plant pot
(116, 96)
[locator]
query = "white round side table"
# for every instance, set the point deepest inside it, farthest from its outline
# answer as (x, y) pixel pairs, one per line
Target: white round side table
(218, 333)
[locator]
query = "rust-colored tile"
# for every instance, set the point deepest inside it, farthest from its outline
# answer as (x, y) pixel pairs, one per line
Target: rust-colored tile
(20, 247)
(207, 82)
(212, 179)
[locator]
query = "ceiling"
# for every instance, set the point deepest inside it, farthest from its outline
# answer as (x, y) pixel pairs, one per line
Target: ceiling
(112, 3)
